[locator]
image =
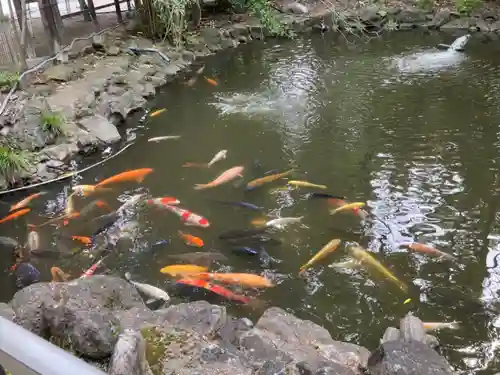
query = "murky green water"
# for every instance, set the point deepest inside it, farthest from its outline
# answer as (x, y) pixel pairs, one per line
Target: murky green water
(412, 134)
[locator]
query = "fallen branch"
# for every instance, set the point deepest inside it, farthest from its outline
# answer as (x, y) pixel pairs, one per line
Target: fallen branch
(65, 175)
(42, 63)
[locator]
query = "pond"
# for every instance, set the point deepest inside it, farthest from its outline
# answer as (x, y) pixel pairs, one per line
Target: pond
(388, 121)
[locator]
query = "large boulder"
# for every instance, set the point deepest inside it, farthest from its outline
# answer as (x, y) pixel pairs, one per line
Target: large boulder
(101, 128)
(282, 337)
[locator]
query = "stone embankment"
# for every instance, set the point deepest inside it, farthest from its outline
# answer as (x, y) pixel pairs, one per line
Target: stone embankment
(103, 83)
(104, 320)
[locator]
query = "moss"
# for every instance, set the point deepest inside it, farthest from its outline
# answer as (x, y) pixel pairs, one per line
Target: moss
(157, 343)
(52, 123)
(8, 79)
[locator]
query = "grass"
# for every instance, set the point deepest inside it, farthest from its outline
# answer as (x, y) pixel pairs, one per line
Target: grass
(13, 162)
(425, 4)
(8, 79)
(52, 123)
(467, 6)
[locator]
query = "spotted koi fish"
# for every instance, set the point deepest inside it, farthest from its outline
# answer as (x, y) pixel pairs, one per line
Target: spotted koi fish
(188, 217)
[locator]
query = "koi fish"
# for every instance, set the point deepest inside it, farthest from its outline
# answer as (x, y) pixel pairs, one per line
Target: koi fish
(221, 155)
(325, 195)
(137, 175)
(70, 208)
(217, 289)
(350, 206)
(191, 240)
(433, 326)
(15, 215)
(92, 205)
(244, 279)
(245, 250)
(157, 112)
(429, 250)
(58, 275)
(183, 270)
(153, 292)
(223, 178)
(254, 240)
(86, 190)
(350, 264)
(163, 138)
(67, 218)
(23, 203)
(194, 165)
(211, 81)
(330, 247)
(84, 240)
(92, 269)
(306, 184)
(266, 179)
(259, 222)
(283, 221)
(368, 259)
(33, 241)
(242, 204)
(164, 201)
(188, 217)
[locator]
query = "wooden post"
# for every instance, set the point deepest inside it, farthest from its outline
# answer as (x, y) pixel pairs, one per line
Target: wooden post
(22, 49)
(50, 23)
(118, 11)
(93, 14)
(85, 9)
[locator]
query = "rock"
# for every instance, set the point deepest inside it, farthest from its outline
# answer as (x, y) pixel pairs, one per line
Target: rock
(440, 18)
(464, 23)
(495, 26)
(171, 69)
(284, 337)
(412, 16)
(113, 51)
(482, 26)
(123, 105)
(256, 32)
(158, 81)
(229, 43)
(237, 30)
(60, 73)
(295, 8)
(407, 358)
(370, 15)
(212, 37)
(60, 152)
(101, 128)
(390, 334)
(95, 297)
(115, 90)
(129, 355)
(432, 341)
(6, 311)
(84, 106)
(188, 56)
(412, 329)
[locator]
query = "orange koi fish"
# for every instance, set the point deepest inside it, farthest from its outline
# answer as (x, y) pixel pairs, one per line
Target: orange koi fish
(429, 250)
(158, 112)
(183, 270)
(244, 279)
(223, 178)
(84, 240)
(220, 290)
(15, 215)
(86, 190)
(23, 203)
(191, 240)
(58, 275)
(211, 81)
(137, 175)
(164, 201)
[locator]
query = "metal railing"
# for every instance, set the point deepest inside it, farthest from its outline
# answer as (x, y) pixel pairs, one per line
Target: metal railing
(24, 353)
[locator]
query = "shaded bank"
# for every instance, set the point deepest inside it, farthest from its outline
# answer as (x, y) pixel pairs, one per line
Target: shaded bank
(84, 105)
(104, 320)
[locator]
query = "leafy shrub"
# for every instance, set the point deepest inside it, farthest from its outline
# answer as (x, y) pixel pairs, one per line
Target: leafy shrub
(467, 6)
(7, 79)
(13, 162)
(52, 123)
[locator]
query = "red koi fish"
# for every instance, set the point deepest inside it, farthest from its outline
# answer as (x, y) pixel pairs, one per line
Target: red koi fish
(15, 215)
(217, 289)
(188, 217)
(91, 270)
(164, 201)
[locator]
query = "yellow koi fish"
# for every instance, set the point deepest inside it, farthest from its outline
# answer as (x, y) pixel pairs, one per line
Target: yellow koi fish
(264, 180)
(433, 326)
(183, 270)
(369, 260)
(350, 206)
(156, 113)
(330, 247)
(306, 184)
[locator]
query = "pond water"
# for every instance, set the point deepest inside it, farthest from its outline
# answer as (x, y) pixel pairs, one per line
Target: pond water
(389, 122)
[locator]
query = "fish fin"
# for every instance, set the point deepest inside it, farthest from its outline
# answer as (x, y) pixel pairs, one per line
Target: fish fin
(201, 186)
(151, 300)
(140, 179)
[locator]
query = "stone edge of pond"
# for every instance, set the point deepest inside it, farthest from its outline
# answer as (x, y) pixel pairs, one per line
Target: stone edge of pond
(104, 320)
(102, 84)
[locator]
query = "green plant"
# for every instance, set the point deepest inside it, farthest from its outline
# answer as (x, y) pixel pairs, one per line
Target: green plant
(267, 15)
(52, 123)
(7, 79)
(13, 162)
(467, 6)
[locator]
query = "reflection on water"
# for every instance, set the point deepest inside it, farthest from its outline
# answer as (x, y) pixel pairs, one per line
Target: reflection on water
(412, 133)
